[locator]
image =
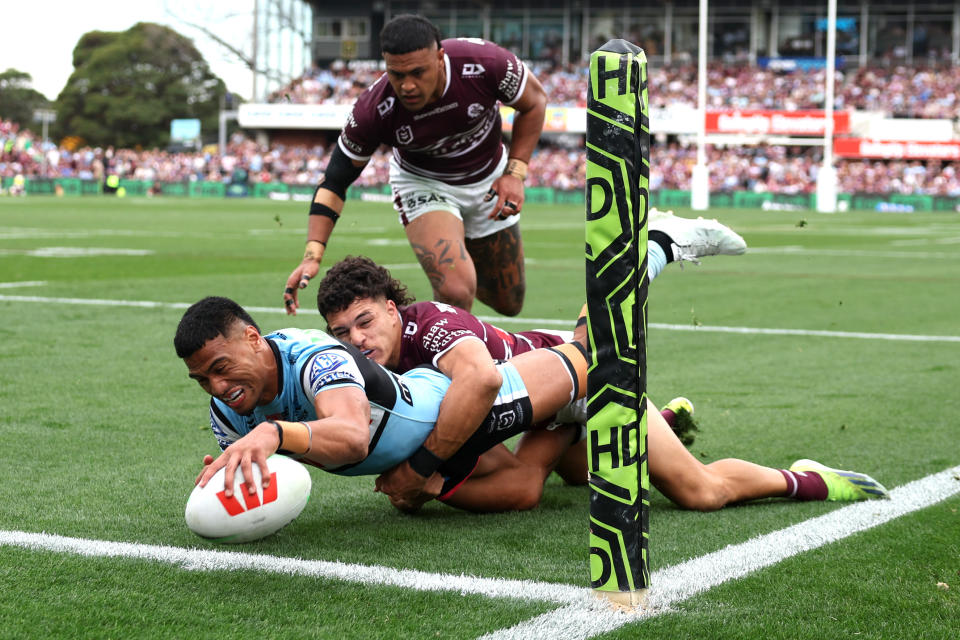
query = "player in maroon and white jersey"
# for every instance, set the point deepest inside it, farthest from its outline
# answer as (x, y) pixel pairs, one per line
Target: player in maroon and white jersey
(457, 190)
(366, 307)
(431, 329)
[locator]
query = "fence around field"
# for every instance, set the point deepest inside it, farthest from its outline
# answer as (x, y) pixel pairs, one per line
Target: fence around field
(664, 199)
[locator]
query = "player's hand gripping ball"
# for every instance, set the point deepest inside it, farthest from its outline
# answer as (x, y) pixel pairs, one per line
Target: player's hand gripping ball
(249, 516)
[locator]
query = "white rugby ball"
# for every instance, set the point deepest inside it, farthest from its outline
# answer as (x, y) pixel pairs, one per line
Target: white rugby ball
(249, 516)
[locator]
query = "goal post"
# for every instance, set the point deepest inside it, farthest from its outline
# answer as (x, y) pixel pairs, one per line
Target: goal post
(617, 199)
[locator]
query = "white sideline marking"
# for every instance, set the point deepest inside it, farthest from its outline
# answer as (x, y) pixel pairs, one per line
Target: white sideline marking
(530, 322)
(679, 582)
(853, 253)
(24, 283)
(214, 560)
(85, 252)
(74, 252)
(745, 330)
(582, 616)
(808, 332)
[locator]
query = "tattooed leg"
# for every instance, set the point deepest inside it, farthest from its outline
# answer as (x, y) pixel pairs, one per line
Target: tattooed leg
(501, 282)
(437, 240)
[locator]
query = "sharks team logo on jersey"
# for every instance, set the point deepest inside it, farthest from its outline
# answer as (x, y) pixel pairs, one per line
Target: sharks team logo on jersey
(329, 367)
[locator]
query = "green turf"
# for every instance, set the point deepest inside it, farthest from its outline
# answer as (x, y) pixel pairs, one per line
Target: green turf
(102, 432)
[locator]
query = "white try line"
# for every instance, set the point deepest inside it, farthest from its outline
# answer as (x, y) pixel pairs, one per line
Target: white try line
(679, 582)
(582, 615)
(527, 322)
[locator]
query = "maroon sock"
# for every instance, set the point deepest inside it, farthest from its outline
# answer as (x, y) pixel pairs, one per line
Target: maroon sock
(669, 416)
(804, 485)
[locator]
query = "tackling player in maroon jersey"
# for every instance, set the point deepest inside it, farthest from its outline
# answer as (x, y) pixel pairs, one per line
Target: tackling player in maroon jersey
(366, 307)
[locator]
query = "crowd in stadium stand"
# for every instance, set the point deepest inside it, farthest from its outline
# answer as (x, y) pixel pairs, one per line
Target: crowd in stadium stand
(895, 90)
(759, 169)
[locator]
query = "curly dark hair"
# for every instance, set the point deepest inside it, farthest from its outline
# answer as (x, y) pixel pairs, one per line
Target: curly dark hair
(358, 277)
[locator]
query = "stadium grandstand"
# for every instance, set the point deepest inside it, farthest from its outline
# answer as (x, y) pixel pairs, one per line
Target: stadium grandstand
(895, 111)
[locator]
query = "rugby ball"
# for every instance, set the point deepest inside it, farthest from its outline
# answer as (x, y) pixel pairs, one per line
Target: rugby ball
(249, 516)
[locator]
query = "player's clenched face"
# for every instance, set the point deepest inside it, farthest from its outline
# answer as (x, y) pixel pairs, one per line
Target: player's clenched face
(371, 325)
(234, 370)
(417, 77)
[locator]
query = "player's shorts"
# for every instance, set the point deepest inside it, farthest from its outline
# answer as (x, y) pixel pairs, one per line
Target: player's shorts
(512, 414)
(415, 195)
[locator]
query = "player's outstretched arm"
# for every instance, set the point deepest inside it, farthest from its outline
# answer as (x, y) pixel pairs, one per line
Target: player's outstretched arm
(325, 210)
(319, 229)
(341, 435)
(474, 384)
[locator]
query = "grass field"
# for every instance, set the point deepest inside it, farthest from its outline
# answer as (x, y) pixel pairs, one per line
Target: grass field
(102, 434)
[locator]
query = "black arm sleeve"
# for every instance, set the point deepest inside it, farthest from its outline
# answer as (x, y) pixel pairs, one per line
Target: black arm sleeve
(340, 173)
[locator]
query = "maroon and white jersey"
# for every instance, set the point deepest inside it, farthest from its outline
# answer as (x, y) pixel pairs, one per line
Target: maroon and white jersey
(430, 329)
(455, 139)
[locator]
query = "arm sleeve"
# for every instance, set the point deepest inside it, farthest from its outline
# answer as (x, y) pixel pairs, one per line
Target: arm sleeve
(340, 173)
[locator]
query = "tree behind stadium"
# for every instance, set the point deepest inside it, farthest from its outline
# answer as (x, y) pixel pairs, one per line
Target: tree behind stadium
(18, 99)
(127, 86)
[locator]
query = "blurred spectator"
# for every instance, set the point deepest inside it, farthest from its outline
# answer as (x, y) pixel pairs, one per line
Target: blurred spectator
(760, 169)
(914, 92)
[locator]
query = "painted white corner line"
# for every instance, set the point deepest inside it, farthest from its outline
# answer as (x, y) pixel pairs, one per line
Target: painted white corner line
(141, 304)
(906, 337)
(807, 332)
(528, 323)
(853, 253)
(582, 615)
(24, 283)
(216, 560)
(679, 582)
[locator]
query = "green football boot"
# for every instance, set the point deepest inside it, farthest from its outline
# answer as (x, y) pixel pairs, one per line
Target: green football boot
(844, 486)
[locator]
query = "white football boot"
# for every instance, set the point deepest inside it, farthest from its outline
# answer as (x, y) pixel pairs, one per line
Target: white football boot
(694, 238)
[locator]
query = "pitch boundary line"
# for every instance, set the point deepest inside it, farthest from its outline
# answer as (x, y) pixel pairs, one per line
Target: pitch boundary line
(853, 253)
(581, 615)
(672, 585)
(529, 322)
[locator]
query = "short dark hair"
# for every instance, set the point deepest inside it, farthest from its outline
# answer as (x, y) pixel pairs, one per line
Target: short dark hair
(408, 32)
(358, 277)
(205, 320)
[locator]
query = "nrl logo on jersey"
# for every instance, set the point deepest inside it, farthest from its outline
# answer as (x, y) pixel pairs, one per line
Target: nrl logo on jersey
(386, 106)
(472, 69)
(475, 110)
(405, 134)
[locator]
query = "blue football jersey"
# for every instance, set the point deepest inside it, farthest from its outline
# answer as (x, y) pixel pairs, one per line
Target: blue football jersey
(403, 410)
